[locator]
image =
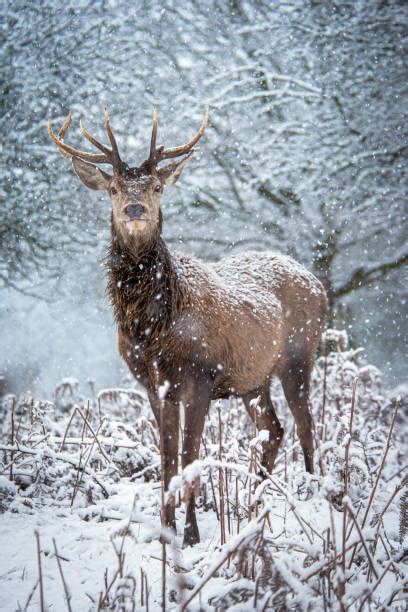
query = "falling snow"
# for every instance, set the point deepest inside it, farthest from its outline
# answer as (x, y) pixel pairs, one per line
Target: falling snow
(304, 160)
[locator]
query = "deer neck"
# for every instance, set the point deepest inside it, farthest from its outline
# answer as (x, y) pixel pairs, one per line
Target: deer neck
(143, 287)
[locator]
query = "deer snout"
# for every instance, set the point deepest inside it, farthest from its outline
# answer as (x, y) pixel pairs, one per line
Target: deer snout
(134, 211)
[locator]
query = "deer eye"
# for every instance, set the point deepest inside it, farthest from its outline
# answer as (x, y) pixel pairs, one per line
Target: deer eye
(157, 188)
(113, 191)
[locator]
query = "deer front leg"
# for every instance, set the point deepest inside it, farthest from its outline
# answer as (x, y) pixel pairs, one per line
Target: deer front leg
(166, 413)
(195, 411)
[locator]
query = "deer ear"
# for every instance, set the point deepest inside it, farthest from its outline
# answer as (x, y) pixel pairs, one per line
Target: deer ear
(92, 176)
(171, 173)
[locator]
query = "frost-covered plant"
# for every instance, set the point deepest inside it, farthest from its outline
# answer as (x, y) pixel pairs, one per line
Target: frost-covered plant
(70, 451)
(276, 543)
(295, 561)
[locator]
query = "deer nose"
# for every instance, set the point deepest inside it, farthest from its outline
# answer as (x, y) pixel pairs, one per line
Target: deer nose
(134, 211)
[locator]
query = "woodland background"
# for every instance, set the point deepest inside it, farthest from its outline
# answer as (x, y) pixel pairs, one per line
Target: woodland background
(306, 153)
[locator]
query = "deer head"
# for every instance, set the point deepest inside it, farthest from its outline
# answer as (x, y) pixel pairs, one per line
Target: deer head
(135, 192)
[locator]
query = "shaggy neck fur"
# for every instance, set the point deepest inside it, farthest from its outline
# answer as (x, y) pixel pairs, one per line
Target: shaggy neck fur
(143, 287)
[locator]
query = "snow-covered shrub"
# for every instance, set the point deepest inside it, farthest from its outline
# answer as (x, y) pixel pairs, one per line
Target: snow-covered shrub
(273, 543)
(70, 451)
(67, 394)
(289, 563)
(123, 403)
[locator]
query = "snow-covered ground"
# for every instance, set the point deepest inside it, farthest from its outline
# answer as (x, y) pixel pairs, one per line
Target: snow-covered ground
(89, 488)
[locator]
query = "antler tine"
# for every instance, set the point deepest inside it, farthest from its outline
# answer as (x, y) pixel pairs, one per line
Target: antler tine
(185, 148)
(152, 155)
(93, 140)
(108, 156)
(68, 151)
(58, 140)
(116, 161)
(65, 126)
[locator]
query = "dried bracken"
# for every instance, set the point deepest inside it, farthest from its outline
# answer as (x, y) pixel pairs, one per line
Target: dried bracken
(287, 542)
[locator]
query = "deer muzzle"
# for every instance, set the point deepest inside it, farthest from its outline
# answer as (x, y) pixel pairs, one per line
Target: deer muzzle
(135, 211)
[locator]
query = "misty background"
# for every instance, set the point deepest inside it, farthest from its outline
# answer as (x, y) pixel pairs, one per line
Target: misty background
(305, 153)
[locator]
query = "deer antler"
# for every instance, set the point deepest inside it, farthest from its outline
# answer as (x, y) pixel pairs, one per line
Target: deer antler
(109, 156)
(158, 154)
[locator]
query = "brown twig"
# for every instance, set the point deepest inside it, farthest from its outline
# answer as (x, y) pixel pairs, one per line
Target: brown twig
(67, 428)
(163, 508)
(302, 522)
(79, 480)
(79, 468)
(387, 447)
(64, 584)
(95, 436)
(220, 479)
(228, 502)
(252, 464)
(141, 587)
(325, 567)
(110, 441)
(103, 598)
(342, 582)
(374, 587)
(377, 480)
(237, 503)
(255, 604)
(226, 553)
(323, 413)
(347, 450)
(40, 576)
(12, 438)
(81, 454)
(120, 556)
(147, 593)
(397, 489)
(362, 539)
(30, 595)
(211, 481)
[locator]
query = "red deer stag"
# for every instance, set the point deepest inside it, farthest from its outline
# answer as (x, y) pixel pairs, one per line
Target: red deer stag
(205, 330)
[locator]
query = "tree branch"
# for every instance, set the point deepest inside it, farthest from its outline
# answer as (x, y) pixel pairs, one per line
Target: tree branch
(363, 277)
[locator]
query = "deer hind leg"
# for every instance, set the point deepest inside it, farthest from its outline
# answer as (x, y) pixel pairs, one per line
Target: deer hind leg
(265, 417)
(195, 410)
(167, 416)
(295, 382)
